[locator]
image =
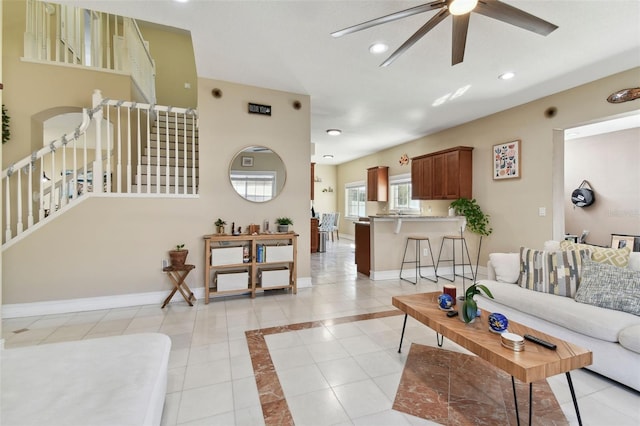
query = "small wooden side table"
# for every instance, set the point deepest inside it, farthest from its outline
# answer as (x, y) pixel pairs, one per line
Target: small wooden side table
(178, 275)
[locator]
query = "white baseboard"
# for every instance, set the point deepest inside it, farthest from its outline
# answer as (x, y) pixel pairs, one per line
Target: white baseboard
(19, 310)
(304, 282)
(426, 271)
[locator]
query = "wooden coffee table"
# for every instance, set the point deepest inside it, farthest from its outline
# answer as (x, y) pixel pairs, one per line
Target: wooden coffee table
(534, 363)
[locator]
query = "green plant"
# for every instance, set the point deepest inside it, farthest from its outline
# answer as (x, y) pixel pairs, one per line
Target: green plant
(469, 306)
(179, 247)
(477, 221)
(6, 132)
(220, 222)
(284, 221)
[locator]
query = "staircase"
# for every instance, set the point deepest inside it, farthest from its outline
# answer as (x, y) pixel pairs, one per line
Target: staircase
(172, 150)
(146, 150)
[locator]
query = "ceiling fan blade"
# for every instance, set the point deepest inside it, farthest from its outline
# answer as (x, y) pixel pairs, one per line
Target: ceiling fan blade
(431, 23)
(459, 38)
(511, 15)
(390, 18)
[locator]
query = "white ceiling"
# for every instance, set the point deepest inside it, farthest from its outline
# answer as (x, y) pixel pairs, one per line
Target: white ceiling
(286, 45)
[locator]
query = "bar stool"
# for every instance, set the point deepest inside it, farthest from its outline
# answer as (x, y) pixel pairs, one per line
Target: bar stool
(463, 248)
(418, 240)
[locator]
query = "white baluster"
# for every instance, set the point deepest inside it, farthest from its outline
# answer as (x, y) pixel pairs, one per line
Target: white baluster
(97, 166)
(19, 224)
(118, 147)
(128, 150)
(30, 197)
(158, 118)
(7, 204)
(168, 149)
(41, 185)
(176, 150)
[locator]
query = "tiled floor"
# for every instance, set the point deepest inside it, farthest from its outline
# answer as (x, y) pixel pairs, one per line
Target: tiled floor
(329, 372)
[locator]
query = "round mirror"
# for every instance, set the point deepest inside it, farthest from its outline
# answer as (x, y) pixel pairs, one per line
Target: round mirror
(257, 174)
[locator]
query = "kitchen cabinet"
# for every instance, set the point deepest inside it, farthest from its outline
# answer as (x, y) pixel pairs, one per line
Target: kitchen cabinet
(442, 175)
(363, 248)
(378, 183)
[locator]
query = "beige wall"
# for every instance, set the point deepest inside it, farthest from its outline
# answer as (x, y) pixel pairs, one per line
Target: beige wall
(325, 202)
(512, 204)
(172, 51)
(114, 246)
(609, 162)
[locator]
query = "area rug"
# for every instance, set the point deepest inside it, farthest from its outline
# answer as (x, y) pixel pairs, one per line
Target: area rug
(452, 388)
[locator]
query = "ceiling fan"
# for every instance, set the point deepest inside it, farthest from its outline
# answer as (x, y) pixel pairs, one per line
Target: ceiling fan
(460, 9)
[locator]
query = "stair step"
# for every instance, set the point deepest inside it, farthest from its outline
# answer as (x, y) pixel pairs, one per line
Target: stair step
(152, 152)
(162, 180)
(162, 132)
(152, 161)
(153, 141)
(163, 169)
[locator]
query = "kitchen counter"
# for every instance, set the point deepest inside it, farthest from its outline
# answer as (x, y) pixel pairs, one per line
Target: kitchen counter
(388, 237)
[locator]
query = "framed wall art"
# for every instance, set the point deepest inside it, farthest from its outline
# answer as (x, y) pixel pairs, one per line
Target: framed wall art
(506, 160)
(619, 241)
(247, 161)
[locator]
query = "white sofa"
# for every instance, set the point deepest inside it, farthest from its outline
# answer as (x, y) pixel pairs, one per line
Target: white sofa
(612, 336)
(119, 380)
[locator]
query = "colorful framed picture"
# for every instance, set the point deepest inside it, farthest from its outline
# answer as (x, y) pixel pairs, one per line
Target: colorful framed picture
(247, 161)
(506, 160)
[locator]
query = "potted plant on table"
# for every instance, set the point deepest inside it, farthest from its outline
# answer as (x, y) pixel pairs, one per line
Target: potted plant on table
(469, 306)
(283, 224)
(178, 256)
(220, 225)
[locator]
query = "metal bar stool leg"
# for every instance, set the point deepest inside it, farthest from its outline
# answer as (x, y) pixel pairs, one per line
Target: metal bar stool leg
(443, 260)
(406, 246)
(433, 263)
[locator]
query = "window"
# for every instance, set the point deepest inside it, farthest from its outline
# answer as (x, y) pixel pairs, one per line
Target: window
(400, 194)
(356, 197)
(254, 186)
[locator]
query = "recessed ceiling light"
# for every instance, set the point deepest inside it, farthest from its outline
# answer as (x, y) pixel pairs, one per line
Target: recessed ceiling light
(377, 48)
(327, 156)
(334, 132)
(507, 75)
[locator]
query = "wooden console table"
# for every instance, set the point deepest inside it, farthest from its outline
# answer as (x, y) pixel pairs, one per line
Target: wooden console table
(236, 257)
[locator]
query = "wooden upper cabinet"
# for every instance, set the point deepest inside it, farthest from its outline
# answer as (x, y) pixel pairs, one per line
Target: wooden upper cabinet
(422, 171)
(442, 175)
(378, 183)
(313, 179)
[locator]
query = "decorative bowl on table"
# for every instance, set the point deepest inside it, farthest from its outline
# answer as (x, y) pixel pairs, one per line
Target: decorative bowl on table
(445, 302)
(498, 323)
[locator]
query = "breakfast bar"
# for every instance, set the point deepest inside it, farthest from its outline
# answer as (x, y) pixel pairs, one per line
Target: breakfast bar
(388, 235)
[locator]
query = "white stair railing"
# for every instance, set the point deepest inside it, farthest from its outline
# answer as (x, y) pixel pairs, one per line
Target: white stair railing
(115, 139)
(69, 35)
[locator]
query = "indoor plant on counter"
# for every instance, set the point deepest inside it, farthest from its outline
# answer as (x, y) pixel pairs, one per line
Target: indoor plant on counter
(283, 224)
(178, 256)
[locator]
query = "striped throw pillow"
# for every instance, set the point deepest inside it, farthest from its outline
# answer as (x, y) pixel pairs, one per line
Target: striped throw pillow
(554, 272)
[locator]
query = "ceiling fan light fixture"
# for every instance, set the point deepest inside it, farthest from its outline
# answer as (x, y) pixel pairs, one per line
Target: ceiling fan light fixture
(377, 48)
(334, 132)
(507, 75)
(460, 7)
